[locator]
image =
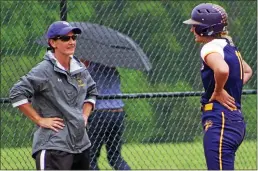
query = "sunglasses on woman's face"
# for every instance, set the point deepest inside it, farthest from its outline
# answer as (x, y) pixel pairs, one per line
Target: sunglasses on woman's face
(65, 38)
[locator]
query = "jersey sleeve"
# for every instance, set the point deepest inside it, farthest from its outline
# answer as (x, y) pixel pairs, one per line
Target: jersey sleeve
(212, 47)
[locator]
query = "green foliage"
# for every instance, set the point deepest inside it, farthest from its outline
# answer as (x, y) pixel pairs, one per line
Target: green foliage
(162, 115)
(12, 68)
(155, 25)
(84, 10)
(23, 23)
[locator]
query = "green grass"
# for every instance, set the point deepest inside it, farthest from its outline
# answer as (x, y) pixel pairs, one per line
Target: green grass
(146, 156)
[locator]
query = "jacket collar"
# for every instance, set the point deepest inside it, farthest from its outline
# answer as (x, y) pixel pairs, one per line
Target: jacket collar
(75, 65)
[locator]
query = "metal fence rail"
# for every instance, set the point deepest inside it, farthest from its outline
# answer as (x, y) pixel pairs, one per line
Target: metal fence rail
(162, 124)
(149, 95)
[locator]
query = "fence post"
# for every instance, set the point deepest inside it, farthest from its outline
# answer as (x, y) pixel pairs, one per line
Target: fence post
(63, 10)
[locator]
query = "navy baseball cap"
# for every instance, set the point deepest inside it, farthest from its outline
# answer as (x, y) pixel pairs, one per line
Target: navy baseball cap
(60, 28)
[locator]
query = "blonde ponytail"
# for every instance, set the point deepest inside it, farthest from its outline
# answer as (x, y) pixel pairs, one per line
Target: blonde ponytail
(225, 35)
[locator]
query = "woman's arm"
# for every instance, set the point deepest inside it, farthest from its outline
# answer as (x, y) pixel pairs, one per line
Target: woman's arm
(52, 123)
(221, 72)
(248, 72)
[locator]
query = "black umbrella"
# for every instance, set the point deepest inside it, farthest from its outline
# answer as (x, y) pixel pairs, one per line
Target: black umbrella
(104, 45)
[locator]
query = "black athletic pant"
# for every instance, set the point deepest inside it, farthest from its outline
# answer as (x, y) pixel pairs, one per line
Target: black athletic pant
(60, 160)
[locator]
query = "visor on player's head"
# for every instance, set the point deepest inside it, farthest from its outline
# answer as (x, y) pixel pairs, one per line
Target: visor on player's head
(192, 22)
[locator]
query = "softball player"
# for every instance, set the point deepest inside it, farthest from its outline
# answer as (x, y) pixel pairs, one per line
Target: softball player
(223, 74)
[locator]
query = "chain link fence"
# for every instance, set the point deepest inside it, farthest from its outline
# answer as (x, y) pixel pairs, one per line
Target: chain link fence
(162, 125)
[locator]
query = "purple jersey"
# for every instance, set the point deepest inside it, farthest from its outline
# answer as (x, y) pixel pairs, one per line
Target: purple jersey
(108, 83)
(233, 58)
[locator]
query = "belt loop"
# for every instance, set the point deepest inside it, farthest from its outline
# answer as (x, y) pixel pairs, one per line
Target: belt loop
(207, 107)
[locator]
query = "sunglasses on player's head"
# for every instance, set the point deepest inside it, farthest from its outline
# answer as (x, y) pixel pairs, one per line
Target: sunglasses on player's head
(65, 38)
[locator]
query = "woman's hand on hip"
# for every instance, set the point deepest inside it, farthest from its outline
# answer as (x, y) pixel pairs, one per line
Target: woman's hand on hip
(52, 123)
(224, 98)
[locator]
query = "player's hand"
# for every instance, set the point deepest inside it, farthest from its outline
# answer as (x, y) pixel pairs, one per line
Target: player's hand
(52, 123)
(224, 98)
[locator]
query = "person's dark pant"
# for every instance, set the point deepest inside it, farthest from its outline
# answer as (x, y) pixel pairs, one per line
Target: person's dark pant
(60, 160)
(224, 131)
(107, 128)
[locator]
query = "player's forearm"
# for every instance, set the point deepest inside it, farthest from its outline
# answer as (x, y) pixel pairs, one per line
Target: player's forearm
(87, 108)
(30, 112)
